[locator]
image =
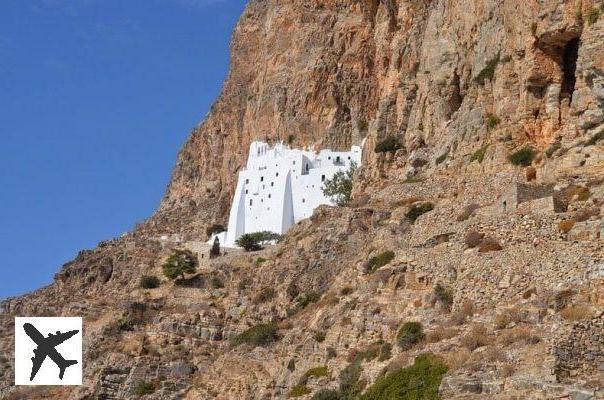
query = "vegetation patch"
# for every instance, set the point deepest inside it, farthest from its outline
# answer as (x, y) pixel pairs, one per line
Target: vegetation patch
(299, 391)
(488, 72)
(259, 335)
(179, 263)
(257, 240)
(440, 159)
(339, 187)
(418, 210)
(417, 382)
(523, 157)
(327, 394)
(492, 121)
(479, 154)
(303, 300)
(409, 335)
(149, 282)
(593, 14)
(595, 138)
(387, 145)
(443, 296)
(379, 261)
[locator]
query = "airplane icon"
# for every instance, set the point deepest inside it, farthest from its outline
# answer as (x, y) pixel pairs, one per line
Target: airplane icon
(46, 347)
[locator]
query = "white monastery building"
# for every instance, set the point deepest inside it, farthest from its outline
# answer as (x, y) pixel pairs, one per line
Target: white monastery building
(281, 186)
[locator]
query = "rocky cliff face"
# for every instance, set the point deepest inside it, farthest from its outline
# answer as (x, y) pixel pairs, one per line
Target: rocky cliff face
(499, 260)
(443, 77)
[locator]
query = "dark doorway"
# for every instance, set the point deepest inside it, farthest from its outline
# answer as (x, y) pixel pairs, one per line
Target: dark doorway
(569, 67)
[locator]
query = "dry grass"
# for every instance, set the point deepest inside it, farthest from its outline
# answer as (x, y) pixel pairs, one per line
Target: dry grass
(457, 359)
(566, 226)
(518, 335)
(578, 312)
(506, 317)
(530, 174)
(477, 337)
(441, 333)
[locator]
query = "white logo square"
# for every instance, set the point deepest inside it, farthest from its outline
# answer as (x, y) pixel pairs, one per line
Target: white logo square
(48, 351)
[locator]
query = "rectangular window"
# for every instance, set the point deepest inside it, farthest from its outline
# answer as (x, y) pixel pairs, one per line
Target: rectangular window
(322, 178)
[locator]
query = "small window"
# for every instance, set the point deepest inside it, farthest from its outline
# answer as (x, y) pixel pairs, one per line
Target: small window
(269, 196)
(250, 202)
(322, 178)
(294, 163)
(303, 200)
(263, 187)
(247, 181)
(246, 191)
(261, 179)
(329, 158)
(349, 157)
(272, 184)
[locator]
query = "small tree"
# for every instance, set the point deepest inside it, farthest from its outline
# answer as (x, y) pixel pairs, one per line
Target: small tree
(339, 188)
(179, 263)
(149, 282)
(215, 250)
(249, 242)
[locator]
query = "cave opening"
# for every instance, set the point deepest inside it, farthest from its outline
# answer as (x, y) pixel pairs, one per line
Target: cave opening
(569, 67)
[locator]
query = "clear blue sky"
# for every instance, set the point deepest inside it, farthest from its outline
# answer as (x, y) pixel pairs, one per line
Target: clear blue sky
(96, 98)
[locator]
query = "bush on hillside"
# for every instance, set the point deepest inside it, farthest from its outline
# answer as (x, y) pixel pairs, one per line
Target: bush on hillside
(215, 229)
(420, 381)
(410, 334)
(444, 296)
(379, 261)
(179, 263)
(523, 157)
(149, 282)
(259, 335)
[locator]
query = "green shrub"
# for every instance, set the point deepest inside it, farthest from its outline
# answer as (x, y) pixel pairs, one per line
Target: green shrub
(523, 157)
(379, 261)
(142, 388)
(417, 210)
(346, 290)
(339, 187)
(299, 391)
(479, 154)
(417, 382)
(444, 296)
(327, 394)
(492, 121)
(214, 229)
(389, 144)
(266, 294)
(259, 335)
(410, 334)
(255, 241)
(149, 282)
(290, 138)
(303, 300)
(488, 71)
(260, 261)
(350, 384)
(593, 14)
(179, 263)
(317, 372)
